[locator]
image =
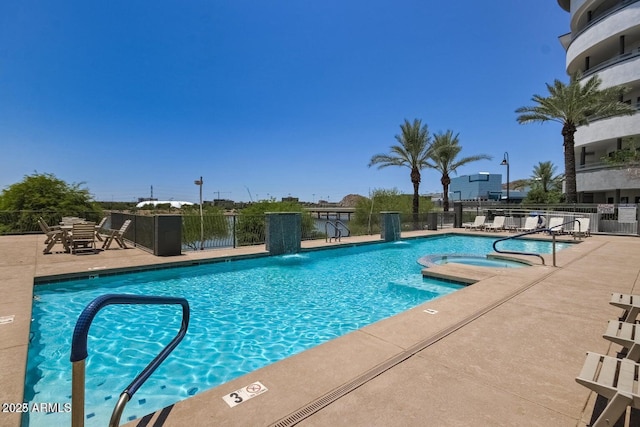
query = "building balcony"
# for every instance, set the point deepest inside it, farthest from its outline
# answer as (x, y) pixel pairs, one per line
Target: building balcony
(585, 14)
(607, 129)
(602, 36)
(601, 177)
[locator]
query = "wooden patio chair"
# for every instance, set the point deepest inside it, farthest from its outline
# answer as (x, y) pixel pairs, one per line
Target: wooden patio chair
(54, 235)
(83, 237)
(99, 227)
(117, 235)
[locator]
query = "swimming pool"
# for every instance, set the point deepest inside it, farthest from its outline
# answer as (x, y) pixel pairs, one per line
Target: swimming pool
(245, 314)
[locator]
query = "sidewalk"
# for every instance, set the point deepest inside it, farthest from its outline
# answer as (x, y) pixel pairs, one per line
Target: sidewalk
(503, 351)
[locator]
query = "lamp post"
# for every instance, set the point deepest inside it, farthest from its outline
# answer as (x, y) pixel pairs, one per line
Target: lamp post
(505, 162)
(199, 183)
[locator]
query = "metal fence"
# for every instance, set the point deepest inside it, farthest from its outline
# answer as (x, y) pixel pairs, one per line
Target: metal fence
(234, 230)
(620, 219)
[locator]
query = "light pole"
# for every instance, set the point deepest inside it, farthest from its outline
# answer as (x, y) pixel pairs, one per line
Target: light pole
(505, 162)
(199, 183)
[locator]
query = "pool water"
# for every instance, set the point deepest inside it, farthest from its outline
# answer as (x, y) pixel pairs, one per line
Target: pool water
(245, 314)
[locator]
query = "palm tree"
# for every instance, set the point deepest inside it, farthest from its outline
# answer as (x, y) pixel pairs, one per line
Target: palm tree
(574, 105)
(444, 152)
(544, 175)
(412, 151)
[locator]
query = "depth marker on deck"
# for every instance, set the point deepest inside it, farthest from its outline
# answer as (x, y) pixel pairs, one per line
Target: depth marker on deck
(7, 319)
(245, 393)
(430, 311)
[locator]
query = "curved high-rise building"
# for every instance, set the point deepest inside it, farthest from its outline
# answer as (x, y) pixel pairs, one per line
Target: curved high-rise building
(605, 40)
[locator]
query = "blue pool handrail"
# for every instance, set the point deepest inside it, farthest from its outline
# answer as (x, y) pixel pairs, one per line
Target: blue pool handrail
(79, 351)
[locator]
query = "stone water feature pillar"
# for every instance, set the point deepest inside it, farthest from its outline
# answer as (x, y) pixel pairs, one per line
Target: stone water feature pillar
(283, 232)
(390, 226)
(457, 211)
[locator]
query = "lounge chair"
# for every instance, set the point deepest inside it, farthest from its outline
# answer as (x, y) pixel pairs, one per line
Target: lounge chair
(54, 235)
(613, 379)
(83, 237)
(478, 224)
(530, 224)
(629, 303)
(556, 225)
(582, 230)
(497, 224)
(626, 335)
(117, 235)
(99, 227)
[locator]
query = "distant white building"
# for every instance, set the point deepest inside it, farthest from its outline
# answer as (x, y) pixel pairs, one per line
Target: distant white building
(604, 39)
(173, 203)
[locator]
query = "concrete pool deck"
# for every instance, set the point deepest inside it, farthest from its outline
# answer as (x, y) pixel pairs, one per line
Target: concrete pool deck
(504, 351)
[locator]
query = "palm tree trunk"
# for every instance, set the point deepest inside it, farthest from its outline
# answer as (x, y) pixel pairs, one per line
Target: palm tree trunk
(415, 179)
(445, 180)
(568, 132)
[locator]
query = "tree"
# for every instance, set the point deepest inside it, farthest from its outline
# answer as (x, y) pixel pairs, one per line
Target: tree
(215, 225)
(546, 186)
(574, 105)
(413, 152)
(250, 228)
(44, 195)
(366, 218)
(628, 157)
(444, 152)
(545, 178)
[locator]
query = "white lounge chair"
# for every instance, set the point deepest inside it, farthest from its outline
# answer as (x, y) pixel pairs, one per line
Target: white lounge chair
(556, 225)
(583, 230)
(629, 303)
(627, 335)
(497, 224)
(530, 224)
(613, 379)
(478, 224)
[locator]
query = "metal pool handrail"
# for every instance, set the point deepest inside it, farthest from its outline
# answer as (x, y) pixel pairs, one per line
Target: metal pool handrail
(79, 352)
(338, 223)
(539, 230)
(337, 232)
(518, 252)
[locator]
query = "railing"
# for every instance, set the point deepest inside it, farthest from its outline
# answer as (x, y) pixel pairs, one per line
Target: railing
(609, 62)
(548, 230)
(601, 220)
(343, 225)
(519, 252)
(598, 17)
(79, 352)
(337, 233)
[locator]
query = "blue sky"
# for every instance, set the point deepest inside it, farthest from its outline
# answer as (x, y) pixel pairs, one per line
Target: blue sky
(272, 98)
